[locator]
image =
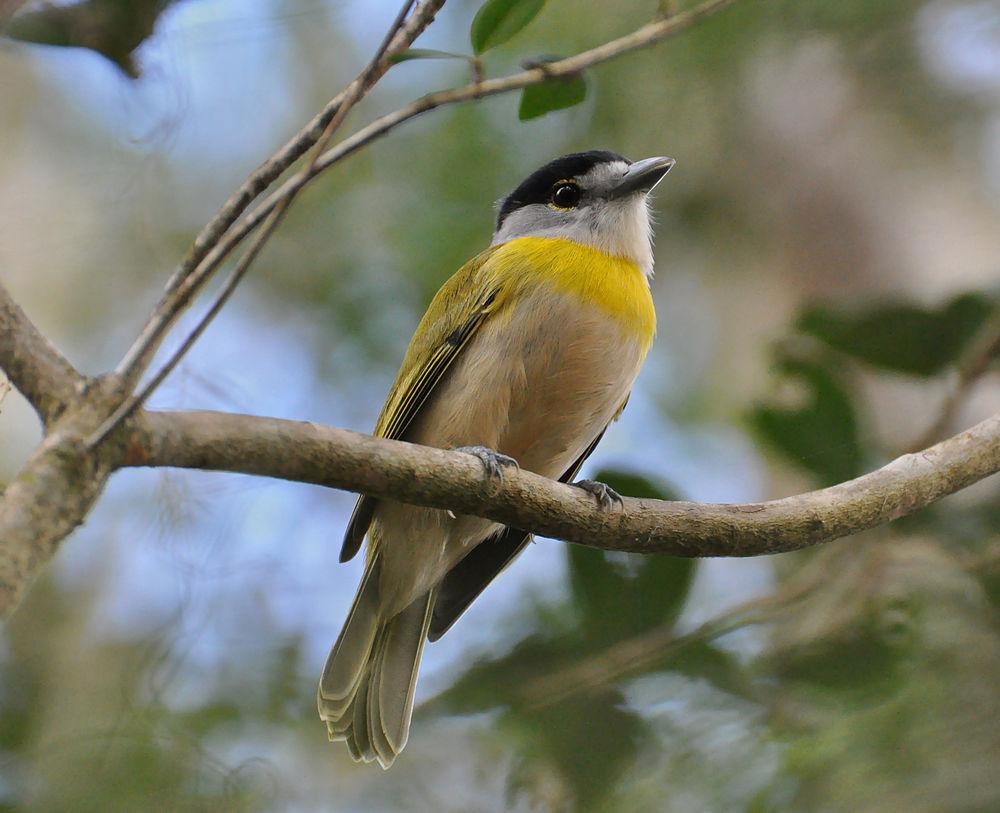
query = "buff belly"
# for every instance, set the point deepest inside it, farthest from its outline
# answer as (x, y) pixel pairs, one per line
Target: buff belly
(538, 385)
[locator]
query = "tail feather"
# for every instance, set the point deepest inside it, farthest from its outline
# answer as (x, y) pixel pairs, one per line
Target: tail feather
(366, 693)
(358, 724)
(375, 731)
(348, 660)
(403, 646)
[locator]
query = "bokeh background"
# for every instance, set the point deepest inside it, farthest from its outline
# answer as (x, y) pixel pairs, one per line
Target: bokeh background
(828, 255)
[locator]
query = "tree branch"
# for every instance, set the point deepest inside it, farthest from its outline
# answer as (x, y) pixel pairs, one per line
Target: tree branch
(58, 486)
(191, 274)
(419, 475)
(214, 249)
(54, 491)
(39, 371)
(8, 8)
(176, 300)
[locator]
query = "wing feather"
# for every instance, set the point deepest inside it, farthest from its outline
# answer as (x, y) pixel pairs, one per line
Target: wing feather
(451, 321)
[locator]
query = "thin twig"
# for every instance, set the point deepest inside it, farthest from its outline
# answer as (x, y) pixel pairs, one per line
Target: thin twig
(638, 653)
(353, 94)
(981, 353)
(179, 291)
(39, 371)
(634, 655)
(8, 8)
(647, 35)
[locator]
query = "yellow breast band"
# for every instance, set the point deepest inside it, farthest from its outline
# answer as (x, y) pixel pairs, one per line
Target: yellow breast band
(616, 285)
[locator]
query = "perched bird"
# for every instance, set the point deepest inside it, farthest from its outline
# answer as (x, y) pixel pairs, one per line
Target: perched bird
(523, 357)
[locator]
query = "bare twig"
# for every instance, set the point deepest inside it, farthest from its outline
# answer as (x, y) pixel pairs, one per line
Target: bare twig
(181, 288)
(353, 94)
(639, 653)
(34, 366)
(444, 479)
(981, 353)
(59, 484)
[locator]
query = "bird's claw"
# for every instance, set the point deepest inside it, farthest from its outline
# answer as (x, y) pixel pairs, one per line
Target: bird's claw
(492, 461)
(605, 495)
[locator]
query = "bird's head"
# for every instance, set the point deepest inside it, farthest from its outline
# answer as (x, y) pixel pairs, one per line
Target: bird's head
(595, 198)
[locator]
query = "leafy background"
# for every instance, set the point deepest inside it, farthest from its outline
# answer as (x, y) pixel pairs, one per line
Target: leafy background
(828, 261)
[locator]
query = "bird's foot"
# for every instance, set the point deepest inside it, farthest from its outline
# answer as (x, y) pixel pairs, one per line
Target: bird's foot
(493, 461)
(605, 495)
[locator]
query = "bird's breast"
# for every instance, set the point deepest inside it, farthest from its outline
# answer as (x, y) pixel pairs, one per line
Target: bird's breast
(613, 285)
(539, 381)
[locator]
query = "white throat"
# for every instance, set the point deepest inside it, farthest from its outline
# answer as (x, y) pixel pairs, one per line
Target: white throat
(619, 226)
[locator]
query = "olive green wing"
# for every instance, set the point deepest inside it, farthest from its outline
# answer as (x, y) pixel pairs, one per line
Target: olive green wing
(455, 314)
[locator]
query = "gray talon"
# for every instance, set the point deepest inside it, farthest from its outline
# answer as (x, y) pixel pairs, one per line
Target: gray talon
(493, 461)
(605, 495)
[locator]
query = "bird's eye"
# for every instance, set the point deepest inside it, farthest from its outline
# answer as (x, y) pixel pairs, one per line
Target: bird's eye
(565, 195)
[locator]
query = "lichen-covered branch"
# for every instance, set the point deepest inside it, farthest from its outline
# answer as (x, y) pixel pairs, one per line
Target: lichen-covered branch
(443, 479)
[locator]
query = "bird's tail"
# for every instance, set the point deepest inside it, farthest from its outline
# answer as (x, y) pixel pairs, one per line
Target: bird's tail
(365, 695)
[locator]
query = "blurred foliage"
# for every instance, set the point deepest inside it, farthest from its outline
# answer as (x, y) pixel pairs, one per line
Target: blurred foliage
(822, 433)
(612, 598)
(112, 28)
(903, 337)
(869, 678)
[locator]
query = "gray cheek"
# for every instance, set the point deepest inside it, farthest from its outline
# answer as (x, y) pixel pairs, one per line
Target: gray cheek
(537, 220)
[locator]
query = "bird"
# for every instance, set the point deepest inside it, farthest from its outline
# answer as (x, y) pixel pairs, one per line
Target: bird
(523, 358)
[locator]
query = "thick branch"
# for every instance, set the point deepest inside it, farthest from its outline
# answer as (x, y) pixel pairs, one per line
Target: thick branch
(53, 493)
(33, 365)
(423, 476)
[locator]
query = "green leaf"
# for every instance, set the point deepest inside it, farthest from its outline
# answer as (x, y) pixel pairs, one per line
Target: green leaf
(902, 337)
(492, 682)
(551, 737)
(426, 53)
(499, 20)
(822, 434)
(555, 94)
(620, 595)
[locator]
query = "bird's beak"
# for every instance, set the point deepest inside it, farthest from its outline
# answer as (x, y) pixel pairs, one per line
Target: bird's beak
(641, 177)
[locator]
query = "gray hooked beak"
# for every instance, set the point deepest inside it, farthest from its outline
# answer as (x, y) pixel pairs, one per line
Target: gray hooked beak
(641, 176)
